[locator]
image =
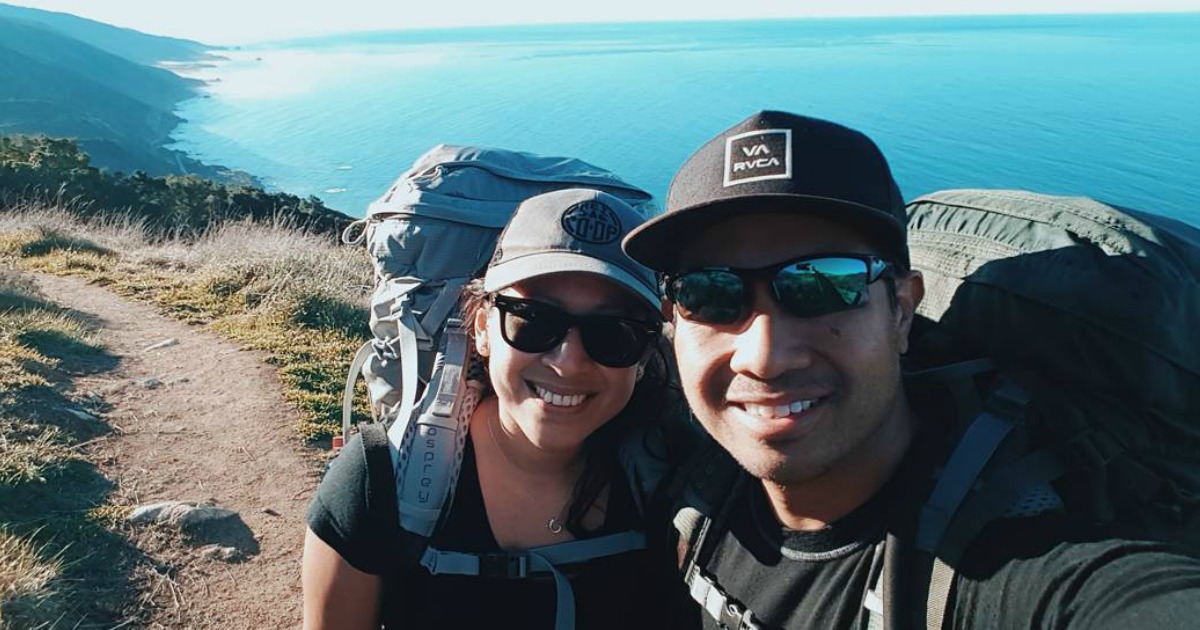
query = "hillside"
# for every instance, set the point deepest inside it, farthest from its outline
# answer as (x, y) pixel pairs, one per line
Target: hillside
(123, 42)
(38, 168)
(69, 77)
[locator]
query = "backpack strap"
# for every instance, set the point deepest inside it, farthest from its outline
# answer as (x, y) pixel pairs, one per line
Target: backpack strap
(356, 365)
(962, 470)
(973, 452)
(381, 497)
(356, 232)
(410, 365)
(981, 482)
(381, 481)
(427, 449)
(445, 303)
(705, 492)
(545, 559)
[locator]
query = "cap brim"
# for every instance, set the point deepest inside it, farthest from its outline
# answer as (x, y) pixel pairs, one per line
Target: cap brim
(510, 272)
(657, 243)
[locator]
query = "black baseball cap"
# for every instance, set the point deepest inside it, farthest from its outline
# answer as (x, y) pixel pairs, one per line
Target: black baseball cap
(778, 162)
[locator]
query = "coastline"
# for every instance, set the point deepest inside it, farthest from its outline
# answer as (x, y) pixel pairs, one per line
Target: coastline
(198, 73)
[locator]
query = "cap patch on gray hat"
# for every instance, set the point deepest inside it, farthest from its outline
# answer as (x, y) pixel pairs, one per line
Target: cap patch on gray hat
(592, 222)
(758, 155)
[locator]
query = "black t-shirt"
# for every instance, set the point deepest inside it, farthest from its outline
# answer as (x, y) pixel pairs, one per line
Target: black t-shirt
(1036, 572)
(630, 590)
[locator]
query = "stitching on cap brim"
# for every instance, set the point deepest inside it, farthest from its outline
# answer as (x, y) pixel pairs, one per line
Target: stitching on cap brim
(656, 243)
(544, 263)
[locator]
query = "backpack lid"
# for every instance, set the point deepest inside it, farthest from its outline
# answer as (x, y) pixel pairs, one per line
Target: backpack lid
(483, 186)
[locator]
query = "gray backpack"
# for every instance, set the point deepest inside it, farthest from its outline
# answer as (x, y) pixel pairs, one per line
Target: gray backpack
(429, 235)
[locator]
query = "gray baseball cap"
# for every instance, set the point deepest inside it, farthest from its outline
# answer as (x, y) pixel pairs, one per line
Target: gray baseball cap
(576, 229)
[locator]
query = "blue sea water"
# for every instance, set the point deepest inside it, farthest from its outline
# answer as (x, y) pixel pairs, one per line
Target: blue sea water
(1105, 106)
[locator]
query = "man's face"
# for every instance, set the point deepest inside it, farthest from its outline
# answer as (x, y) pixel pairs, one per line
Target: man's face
(793, 398)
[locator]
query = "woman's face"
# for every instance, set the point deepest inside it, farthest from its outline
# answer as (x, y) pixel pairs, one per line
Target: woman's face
(556, 398)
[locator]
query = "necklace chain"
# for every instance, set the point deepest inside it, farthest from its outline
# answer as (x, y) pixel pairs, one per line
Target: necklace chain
(553, 524)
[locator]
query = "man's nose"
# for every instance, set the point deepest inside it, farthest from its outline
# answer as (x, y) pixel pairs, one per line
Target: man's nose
(771, 343)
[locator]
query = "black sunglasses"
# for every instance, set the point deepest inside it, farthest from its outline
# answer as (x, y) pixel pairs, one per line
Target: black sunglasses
(532, 326)
(805, 287)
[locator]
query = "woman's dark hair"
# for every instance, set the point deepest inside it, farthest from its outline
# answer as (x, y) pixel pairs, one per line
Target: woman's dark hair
(655, 396)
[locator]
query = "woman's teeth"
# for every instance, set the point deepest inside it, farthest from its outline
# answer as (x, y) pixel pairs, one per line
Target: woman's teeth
(770, 412)
(559, 400)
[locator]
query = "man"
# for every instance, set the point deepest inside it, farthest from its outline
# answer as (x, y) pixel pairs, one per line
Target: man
(788, 279)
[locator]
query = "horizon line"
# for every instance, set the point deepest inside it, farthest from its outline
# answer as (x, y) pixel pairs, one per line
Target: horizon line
(873, 16)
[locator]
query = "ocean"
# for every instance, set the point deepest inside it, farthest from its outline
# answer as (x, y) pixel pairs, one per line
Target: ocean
(1104, 106)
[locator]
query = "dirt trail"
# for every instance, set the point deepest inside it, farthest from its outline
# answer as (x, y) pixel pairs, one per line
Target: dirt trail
(217, 429)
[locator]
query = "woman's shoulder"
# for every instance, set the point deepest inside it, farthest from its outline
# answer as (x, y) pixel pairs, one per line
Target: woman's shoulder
(341, 513)
(340, 501)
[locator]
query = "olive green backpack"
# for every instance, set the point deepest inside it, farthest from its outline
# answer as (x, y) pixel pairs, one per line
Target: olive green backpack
(1067, 331)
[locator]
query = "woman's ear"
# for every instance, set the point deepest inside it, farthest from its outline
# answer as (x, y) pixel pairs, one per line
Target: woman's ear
(481, 332)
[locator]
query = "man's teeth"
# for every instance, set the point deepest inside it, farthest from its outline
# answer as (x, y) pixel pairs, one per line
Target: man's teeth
(768, 412)
(559, 400)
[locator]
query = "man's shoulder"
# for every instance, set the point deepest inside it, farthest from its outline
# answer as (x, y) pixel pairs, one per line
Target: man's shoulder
(1049, 571)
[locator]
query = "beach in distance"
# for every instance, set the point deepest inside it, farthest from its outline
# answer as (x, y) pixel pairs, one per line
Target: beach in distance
(1097, 105)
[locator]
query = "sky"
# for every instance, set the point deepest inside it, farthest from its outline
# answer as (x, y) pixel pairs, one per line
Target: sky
(227, 22)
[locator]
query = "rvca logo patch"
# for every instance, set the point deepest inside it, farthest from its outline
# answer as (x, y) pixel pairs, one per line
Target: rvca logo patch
(758, 155)
(592, 222)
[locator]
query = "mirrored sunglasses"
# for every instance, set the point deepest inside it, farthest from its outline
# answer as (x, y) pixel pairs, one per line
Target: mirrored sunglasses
(805, 287)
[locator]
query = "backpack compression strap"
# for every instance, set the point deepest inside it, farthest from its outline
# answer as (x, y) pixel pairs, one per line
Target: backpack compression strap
(411, 337)
(545, 559)
(415, 336)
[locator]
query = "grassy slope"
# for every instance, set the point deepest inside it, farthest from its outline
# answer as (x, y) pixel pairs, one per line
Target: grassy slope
(63, 557)
(61, 562)
(300, 297)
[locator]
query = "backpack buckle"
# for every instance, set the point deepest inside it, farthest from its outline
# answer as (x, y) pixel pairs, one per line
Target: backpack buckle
(503, 564)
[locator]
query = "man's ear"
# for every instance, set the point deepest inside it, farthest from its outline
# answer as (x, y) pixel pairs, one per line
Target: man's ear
(910, 290)
(481, 333)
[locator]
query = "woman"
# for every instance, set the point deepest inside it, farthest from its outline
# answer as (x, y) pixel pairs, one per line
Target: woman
(564, 325)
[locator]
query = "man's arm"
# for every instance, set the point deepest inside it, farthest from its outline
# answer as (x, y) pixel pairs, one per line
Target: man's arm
(1030, 573)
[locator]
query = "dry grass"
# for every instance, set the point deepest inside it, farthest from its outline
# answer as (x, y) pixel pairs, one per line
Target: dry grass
(46, 490)
(64, 557)
(300, 297)
(27, 582)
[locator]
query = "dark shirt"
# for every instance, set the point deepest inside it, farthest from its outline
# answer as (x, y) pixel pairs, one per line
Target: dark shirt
(623, 591)
(1034, 572)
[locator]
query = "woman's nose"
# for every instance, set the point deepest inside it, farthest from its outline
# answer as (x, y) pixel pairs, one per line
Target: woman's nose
(569, 356)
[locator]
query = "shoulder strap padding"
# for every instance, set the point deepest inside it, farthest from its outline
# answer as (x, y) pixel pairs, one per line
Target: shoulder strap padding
(428, 444)
(381, 499)
(381, 482)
